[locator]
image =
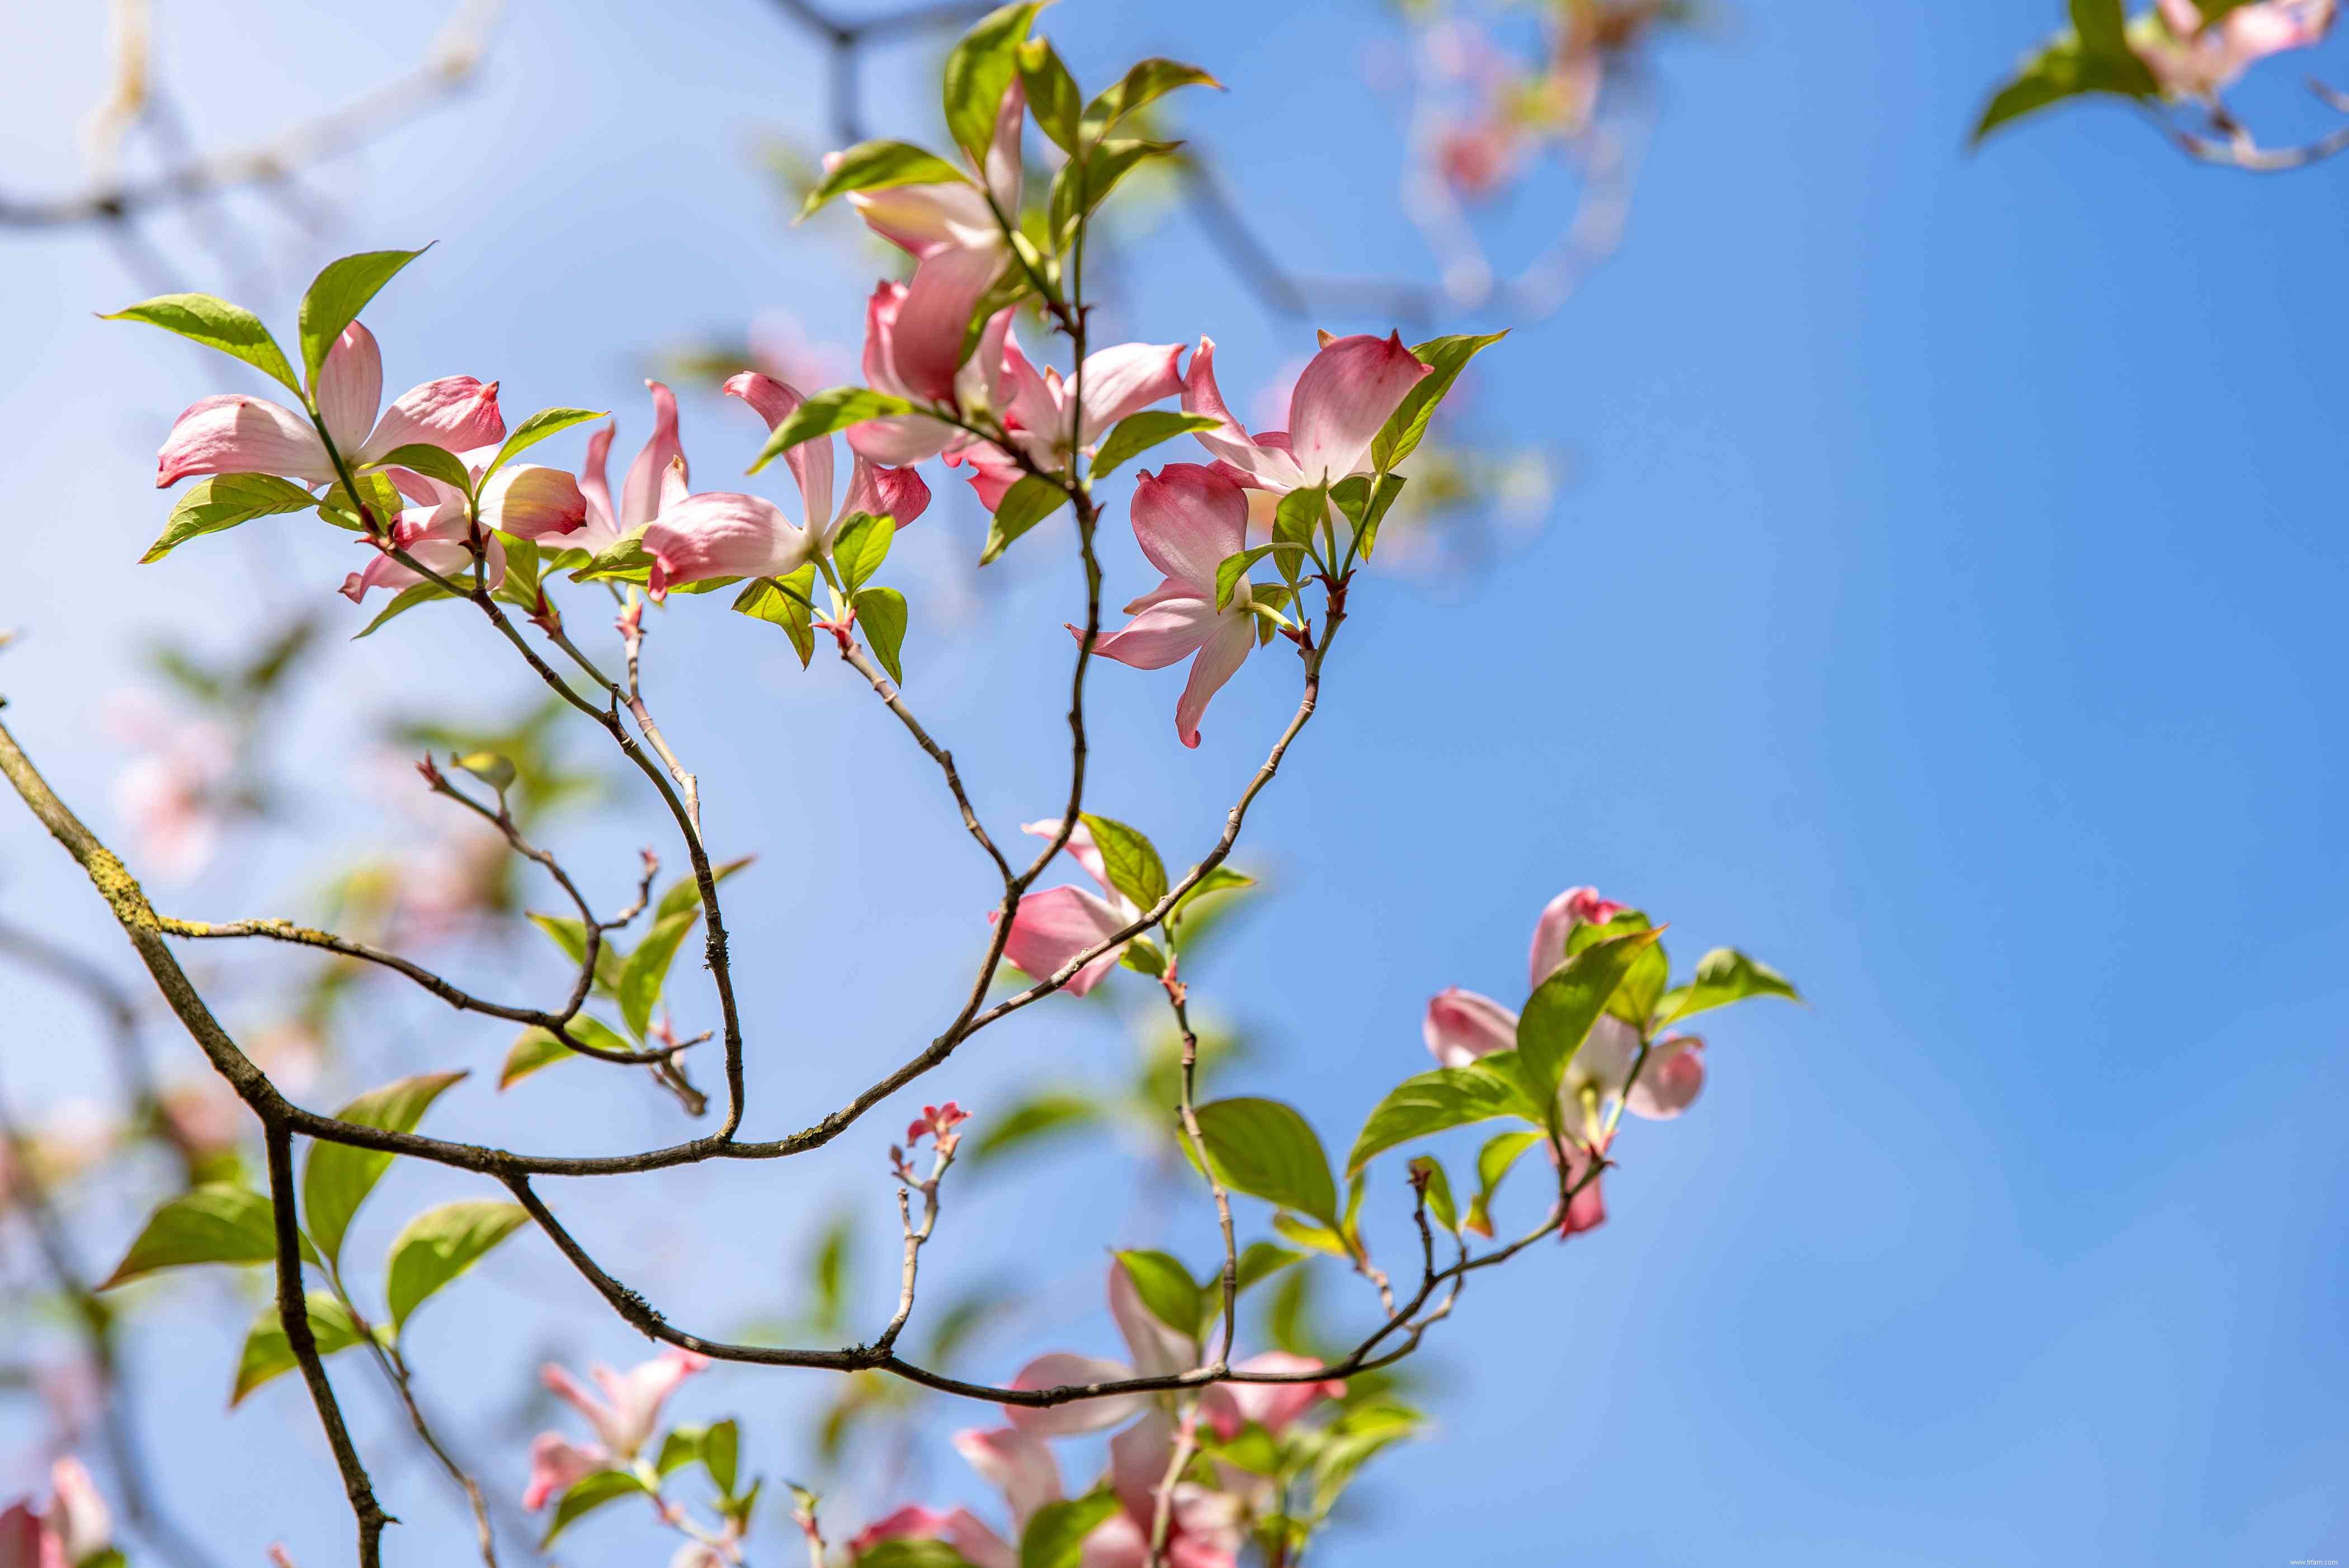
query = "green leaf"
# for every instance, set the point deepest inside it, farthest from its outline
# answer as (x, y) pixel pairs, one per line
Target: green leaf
(536, 429)
(910, 1552)
(587, 1494)
(1305, 1233)
(1295, 522)
(2101, 25)
(1084, 183)
(1129, 859)
(1265, 1149)
(1443, 1098)
(1167, 1291)
(1040, 1116)
(267, 1351)
(835, 409)
(216, 323)
(877, 166)
(978, 71)
(336, 1178)
(784, 601)
(1354, 1439)
(1363, 510)
(719, 1448)
(1722, 975)
(1493, 1163)
(678, 1449)
(1446, 357)
(882, 612)
(491, 768)
(1428, 1169)
(1055, 1537)
(1137, 433)
(646, 973)
(336, 296)
(684, 895)
(860, 547)
(2065, 67)
(1258, 1262)
(433, 462)
(1223, 879)
(1563, 1008)
(535, 1047)
(214, 1223)
(1052, 95)
(440, 1244)
(1251, 1448)
(1023, 506)
(570, 937)
(223, 502)
(409, 597)
(1232, 568)
(1144, 956)
(381, 498)
(1146, 81)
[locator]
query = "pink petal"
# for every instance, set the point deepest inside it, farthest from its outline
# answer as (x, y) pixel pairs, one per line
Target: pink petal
(350, 388)
(903, 438)
(1188, 519)
(911, 1523)
(600, 1416)
(1004, 163)
(78, 1515)
(1670, 1081)
(1159, 1349)
(1342, 397)
(811, 461)
(1059, 1369)
(555, 1464)
(1120, 1543)
(235, 434)
(602, 528)
(1587, 1211)
(1079, 847)
(993, 472)
(456, 413)
(1220, 657)
(1138, 1457)
(1170, 630)
(533, 502)
(1574, 906)
(921, 220)
(23, 1542)
(880, 335)
(1015, 1463)
(1052, 927)
(721, 533)
(926, 337)
(1231, 444)
(1272, 1405)
(1122, 380)
(639, 1396)
(896, 493)
(1461, 1025)
(640, 492)
(980, 1546)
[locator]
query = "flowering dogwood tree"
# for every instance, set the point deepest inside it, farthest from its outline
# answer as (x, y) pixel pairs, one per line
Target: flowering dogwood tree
(1219, 1451)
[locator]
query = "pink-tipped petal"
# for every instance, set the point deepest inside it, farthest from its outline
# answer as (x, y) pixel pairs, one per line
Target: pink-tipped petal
(1138, 1457)
(921, 220)
(556, 1464)
(1079, 847)
(722, 533)
(640, 492)
(1124, 379)
(1015, 1463)
(1159, 1349)
(603, 524)
(350, 388)
(78, 1517)
(1004, 163)
(1588, 1209)
(639, 1395)
(1461, 1025)
(601, 1416)
(1670, 1081)
(1342, 397)
(234, 434)
(1169, 630)
(897, 493)
(926, 333)
(530, 502)
(455, 413)
(1188, 517)
(1272, 1405)
(993, 472)
(1220, 657)
(901, 440)
(1061, 1368)
(1231, 442)
(1051, 928)
(1574, 906)
(811, 461)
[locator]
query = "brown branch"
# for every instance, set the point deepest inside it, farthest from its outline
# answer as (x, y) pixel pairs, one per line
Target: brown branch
(1178, 998)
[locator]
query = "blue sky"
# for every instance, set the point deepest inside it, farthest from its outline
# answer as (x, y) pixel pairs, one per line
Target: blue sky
(1941, 602)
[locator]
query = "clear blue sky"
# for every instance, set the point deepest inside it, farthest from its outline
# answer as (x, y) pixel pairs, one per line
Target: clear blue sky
(1944, 606)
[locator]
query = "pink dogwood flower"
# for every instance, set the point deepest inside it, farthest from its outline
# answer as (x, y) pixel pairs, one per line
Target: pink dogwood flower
(235, 434)
(1274, 1406)
(1461, 1025)
(624, 1419)
(655, 482)
(1045, 425)
(897, 493)
(1157, 1351)
(1188, 519)
(74, 1529)
(1350, 389)
(1052, 927)
(524, 499)
(903, 356)
(2194, 58)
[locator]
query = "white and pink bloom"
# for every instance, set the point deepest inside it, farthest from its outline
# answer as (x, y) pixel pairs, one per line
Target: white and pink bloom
(1061, 923)
(1343, 395)
(897, 493)
(1188, 519)
(918, 358)
(73, 1530)
(526, 500)
(1461, 1025)
(1044, 419)
(2194, 58)
(235, 434)
(1157, 1351)
(655, 482)
(624, 1421)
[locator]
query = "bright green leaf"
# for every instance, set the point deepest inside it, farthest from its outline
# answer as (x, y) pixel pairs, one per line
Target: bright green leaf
(1722, 975)
(1137, 433)
(570, 937)
(587, 1494)
(882, 612)
(1445, 1097)
(684, 895)
(1265, 1149)
(1055, 1537)
(267, 1351)
(909, 1552)
(1023, 506)
(1562, 1009)
(1306, 1233)
(216, 1223)
(1223, 879)
(834, 409)
(535, 1047)
(646, 973)
(978, 71)
(719, 1448)
(1144, 956)
(223, 502)
(336, 296)
(1085, 183)
(433, 462)
(784, 601)
(442, 1244)
(1166, 1289)
(409, 597)
(336, 1178)
(1129, 859)
(216, 323)
(679, 1448)
(1446, 358)
(1052, 95)
(877, 166)
(536, 429)
(1493, 1163)
(860, 547)
(1145, 82)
